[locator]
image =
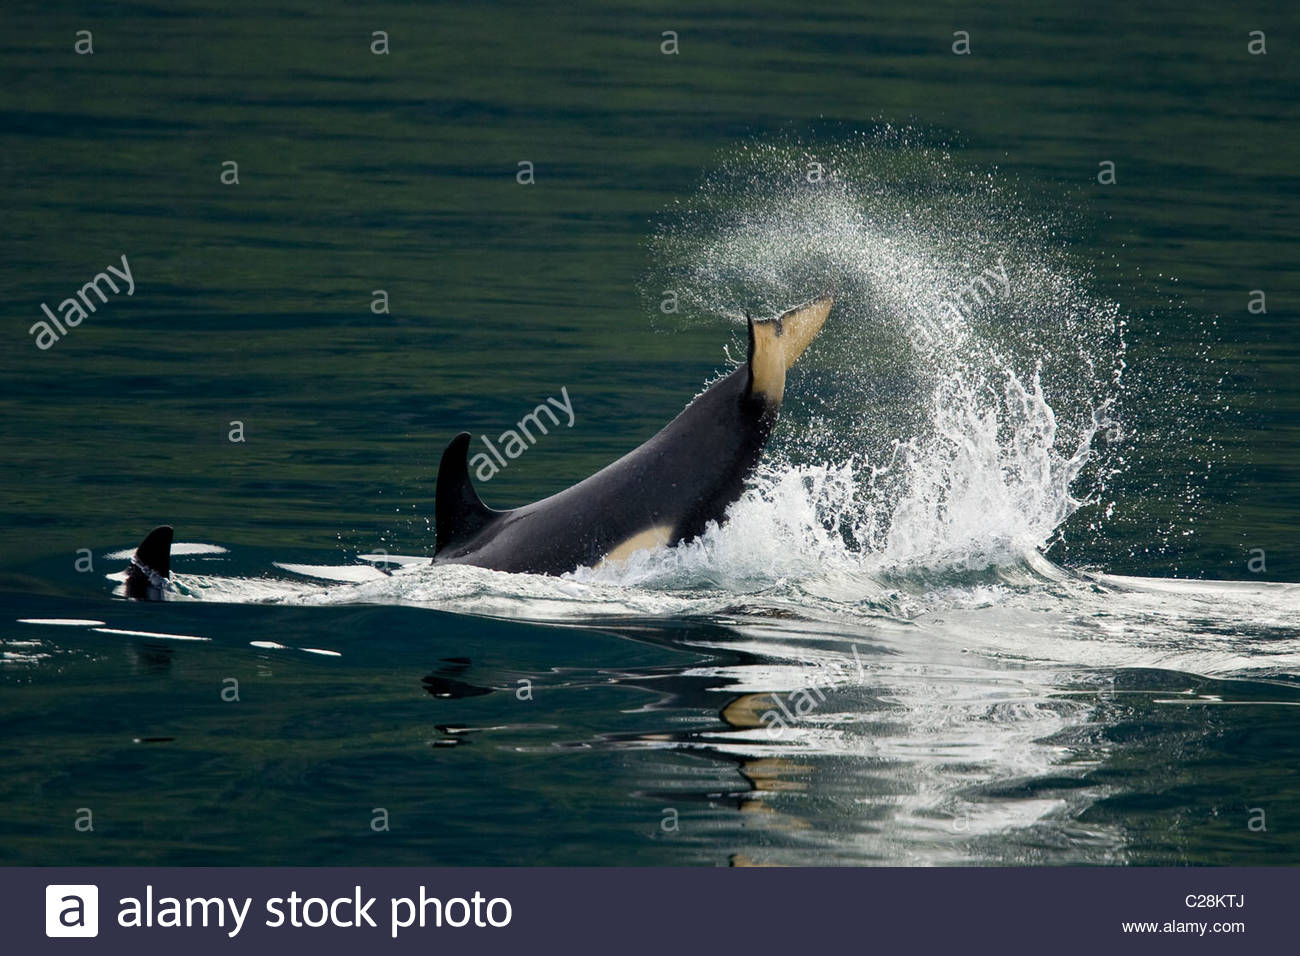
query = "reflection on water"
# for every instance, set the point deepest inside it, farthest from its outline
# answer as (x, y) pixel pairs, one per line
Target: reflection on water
(905, 758)
(935, 755)
(1069, 720)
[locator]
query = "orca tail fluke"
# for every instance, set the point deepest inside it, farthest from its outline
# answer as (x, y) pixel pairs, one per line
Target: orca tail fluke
(151, 566)
(775, 345)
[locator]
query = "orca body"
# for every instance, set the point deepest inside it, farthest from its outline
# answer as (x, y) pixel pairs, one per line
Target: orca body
(664, 492)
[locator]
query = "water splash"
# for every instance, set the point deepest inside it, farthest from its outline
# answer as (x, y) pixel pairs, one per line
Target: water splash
(949, 416)
(959, 409)
(941, 431)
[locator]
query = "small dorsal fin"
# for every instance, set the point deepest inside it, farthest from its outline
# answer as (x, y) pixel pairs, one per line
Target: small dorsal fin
(155, 551)
(458, 511)
(151, 566)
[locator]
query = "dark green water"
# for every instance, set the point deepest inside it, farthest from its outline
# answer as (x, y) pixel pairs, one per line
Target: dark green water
(1012, 713)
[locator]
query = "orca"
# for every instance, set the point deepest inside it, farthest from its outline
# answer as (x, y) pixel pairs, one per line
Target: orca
(149, 573)
(662, 493)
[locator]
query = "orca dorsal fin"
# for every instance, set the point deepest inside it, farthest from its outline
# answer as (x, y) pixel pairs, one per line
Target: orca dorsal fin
(459, 513)
(155, 551)
(151, 566)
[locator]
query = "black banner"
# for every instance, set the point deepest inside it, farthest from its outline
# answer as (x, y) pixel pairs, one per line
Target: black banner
(209, 910)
